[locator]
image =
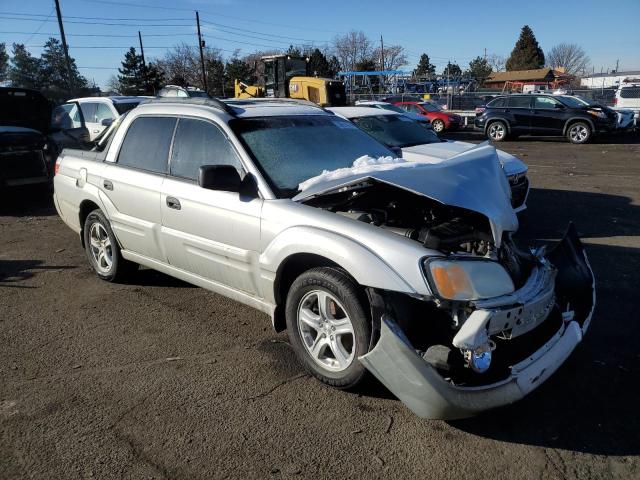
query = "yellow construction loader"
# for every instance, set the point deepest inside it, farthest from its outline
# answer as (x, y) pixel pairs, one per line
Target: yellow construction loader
(288, 77)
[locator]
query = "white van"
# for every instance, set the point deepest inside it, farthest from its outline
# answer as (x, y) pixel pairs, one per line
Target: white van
(100, 112)
(627, 97)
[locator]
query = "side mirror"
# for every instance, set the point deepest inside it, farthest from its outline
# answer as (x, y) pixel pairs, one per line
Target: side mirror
(219, 177)
(106, 122)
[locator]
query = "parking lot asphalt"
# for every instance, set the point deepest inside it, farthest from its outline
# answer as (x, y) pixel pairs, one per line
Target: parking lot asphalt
(158, 379)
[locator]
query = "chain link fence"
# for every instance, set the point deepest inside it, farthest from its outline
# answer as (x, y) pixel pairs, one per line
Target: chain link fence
(469, 101)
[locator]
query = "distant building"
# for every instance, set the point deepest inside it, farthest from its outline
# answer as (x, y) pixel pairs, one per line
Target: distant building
(497, 79)
(609, 79)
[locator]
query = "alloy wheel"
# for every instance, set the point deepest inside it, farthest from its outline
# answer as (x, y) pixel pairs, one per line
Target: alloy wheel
(497, 131)
(578, 133)
(100, 246)
(326, 330)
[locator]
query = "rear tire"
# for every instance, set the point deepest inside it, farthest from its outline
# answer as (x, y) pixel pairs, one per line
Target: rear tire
(328, 326)
(438, 125)
(103, 250)
(579, 133)
(497, 131)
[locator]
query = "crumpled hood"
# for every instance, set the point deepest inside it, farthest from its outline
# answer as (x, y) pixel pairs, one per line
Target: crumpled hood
(473, 180)
(437, 152)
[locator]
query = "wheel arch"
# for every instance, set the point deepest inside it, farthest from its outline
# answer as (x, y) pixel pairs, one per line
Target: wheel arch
(573, 120)
(497, 119)
(86, 207)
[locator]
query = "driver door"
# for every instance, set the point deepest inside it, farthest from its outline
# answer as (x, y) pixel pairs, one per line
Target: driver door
(213, 234)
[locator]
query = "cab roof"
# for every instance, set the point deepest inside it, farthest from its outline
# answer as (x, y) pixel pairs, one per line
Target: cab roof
(357, 112)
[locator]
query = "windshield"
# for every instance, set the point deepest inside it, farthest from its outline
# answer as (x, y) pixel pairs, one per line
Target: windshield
(574, 102)
(198, 93)
(291, 149)
(431, 107)
(396, 130)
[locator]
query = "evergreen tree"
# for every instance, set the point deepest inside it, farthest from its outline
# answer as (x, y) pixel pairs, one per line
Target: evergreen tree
(425, 68)
(294, 51)
(25, 70)
(527, 54)
(214, 67)
(153, 79)
(452, 70)
(319, 65)
(54, 69)
(479, 69)
(237, 68)
(4, 62)
(334, 66)
(131, 78)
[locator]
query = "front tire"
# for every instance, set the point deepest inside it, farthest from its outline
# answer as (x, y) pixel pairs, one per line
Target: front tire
(497, 131)
(438, 125)
(328, 326)
(579, 133)
(103, 250)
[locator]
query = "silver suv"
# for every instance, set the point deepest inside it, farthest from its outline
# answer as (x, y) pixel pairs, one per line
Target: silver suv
(370, 262)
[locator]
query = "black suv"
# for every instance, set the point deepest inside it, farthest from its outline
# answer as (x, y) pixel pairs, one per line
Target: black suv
(532, 114)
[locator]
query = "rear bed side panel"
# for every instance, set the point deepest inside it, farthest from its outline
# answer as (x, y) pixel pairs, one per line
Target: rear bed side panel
(75, 182)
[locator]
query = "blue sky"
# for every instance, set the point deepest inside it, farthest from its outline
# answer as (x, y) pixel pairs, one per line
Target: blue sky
(458, 30)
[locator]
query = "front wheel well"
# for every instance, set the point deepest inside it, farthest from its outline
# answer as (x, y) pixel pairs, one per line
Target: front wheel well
(290, 269)
(571, 121)
(86, 207)
(494, 120)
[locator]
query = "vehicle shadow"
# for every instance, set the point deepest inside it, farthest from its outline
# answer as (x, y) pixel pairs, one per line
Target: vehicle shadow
(596, 215)
(476, 136)
(147, 277)
(14, 271)
(27, 201)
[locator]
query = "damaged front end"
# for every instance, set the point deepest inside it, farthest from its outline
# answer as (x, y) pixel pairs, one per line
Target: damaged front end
(488, 352)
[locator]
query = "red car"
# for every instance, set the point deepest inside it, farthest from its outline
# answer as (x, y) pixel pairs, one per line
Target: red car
(440, 120)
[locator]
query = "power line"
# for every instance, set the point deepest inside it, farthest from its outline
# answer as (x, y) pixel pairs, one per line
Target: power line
(105, 35)
(41, 25)
(97, 23)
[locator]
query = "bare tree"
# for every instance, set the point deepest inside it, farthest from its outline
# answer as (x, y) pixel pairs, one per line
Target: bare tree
(569, 56)
(352, 48)
(496, 62)
(181, 65)
(113, 84)
(394, 57)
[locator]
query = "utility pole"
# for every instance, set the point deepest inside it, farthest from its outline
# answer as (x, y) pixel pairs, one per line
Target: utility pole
(64, 46)
(485, 54)
(201, 45)
(144, 64)
(617, 64)
(381, 62)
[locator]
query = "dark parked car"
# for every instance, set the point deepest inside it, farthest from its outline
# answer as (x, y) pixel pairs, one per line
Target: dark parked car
(31, 137)
(531, 114)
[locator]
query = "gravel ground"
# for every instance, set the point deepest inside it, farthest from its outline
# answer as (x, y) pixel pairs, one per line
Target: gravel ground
(159, 379)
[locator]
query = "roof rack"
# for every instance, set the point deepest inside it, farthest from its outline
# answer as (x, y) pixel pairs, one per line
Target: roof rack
(206, 102)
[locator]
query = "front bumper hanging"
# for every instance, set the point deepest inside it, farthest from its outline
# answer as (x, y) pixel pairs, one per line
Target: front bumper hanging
(395, 362)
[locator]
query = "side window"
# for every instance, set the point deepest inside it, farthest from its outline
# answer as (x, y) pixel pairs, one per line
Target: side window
(498, 103)
(409, 107)
(103, 112)
(89, 111)
(146, 144)
(198, 143)
(522, 101)
(544, 102)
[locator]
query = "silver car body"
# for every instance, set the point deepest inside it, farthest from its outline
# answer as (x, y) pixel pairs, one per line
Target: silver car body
(238, 248)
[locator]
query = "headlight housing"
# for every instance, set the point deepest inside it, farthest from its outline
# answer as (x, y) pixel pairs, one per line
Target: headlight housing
(597, 113)
(460, 279)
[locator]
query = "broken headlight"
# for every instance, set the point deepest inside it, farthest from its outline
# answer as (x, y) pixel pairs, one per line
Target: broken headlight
(467, 279)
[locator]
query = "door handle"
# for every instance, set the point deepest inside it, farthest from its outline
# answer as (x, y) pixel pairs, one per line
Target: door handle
(108, 185)
(96, 131)
(174, 203)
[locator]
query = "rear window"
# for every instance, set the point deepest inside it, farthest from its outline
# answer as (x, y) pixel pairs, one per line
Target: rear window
(146, 144)
(633, 92)
(498, 103)
(89, 111)
(519, 102)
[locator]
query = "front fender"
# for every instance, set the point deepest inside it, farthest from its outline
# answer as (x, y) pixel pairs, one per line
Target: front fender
(367, 268)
